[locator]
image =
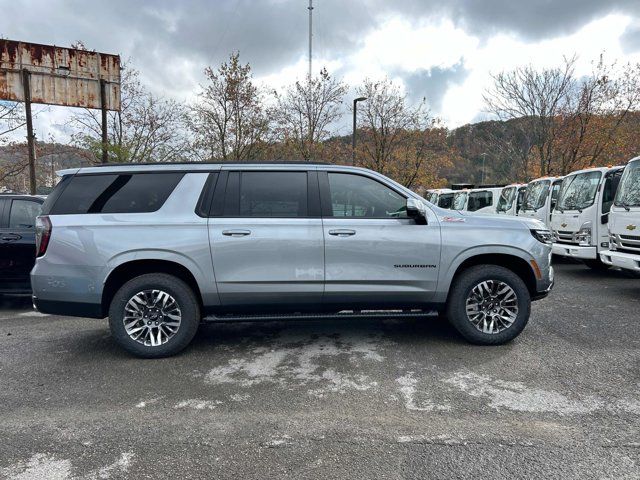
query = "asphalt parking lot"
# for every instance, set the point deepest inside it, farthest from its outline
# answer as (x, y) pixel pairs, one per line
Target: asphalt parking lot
(367, 399)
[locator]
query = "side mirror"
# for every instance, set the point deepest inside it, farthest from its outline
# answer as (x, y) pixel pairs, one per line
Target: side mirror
(604, 219)
(417, 210)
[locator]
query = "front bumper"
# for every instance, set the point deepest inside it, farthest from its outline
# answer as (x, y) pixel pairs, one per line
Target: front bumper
(627, 261)
(574, 251)
(545, 287)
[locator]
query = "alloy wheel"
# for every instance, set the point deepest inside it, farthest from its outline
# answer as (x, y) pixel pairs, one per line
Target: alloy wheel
(152, 317)
(492, 306)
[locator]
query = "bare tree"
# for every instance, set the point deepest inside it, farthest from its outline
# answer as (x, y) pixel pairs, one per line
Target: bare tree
(305, 111)
(146, 129)
(539, 96)
(12, 118)
(228, 121)
(596, 109)
(398, 139)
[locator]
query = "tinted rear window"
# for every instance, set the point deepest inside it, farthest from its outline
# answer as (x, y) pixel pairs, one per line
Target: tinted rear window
(115, 193)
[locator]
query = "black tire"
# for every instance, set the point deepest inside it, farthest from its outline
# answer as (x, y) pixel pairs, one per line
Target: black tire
(597, 265)
(184, 297)
(461, 289)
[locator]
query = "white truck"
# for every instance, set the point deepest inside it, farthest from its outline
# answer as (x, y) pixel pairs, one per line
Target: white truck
(442, 197)
(511, 197)
(624, 222)
(460, 199)
(540, 198)
(579, 221)
(477, 200)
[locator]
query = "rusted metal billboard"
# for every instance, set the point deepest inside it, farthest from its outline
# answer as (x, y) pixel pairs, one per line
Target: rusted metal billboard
(59, 76)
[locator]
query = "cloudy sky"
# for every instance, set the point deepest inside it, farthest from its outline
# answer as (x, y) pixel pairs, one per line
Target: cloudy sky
(443, 50)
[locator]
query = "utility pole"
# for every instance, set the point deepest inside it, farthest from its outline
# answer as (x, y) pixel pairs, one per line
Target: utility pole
(353, 138)
(31, 144)
(310, 8)
(103, 105)
(484, 156)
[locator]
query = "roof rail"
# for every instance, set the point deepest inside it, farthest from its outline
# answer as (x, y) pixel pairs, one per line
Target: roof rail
(270, 162)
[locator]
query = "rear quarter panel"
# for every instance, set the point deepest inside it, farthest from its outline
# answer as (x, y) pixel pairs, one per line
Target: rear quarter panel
(84, 249)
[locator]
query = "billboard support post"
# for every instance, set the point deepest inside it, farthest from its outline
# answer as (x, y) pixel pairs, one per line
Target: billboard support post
(31, 141)
(103, 106)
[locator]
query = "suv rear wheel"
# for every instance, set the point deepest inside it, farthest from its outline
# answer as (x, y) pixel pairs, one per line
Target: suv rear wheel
(489, 305)
(154, 315)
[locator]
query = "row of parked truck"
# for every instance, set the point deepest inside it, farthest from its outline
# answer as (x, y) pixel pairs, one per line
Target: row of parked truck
(594, 214)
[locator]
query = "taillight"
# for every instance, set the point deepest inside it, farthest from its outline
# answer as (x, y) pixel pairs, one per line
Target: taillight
(43, 234)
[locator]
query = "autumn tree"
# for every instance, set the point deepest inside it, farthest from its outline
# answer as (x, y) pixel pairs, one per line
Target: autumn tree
(304, 112)
(228, 120)
(147, 128)
(539, 97)
(398, 139)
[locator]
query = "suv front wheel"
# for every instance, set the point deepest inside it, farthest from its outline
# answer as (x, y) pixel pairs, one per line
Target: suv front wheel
(489, 305)
(154, 315)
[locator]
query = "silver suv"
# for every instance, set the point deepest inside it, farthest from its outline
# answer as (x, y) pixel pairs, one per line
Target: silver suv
(160, 248)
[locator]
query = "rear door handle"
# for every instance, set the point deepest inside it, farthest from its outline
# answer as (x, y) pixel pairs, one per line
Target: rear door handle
(10, 237)
(236, 233)
(342, 232)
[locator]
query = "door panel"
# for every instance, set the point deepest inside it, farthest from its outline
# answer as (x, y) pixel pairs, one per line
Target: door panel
(267, 241)
(18, 243)
(263, 261)
(385, 259)
(384, 263)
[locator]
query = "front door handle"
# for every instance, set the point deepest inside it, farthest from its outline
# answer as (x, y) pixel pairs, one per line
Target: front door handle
(236, 233)
(11, 237)
(342, 232)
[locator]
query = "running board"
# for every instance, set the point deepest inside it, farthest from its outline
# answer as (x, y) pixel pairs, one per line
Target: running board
(347, 315)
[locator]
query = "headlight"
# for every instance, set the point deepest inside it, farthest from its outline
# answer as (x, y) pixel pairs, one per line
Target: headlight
(543, 236)
(584, 235)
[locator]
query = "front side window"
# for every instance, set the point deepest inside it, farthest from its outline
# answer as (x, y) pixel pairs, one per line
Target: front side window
(609, 190)
(629, 191)
(358, 196)
(115, 193)
(445, 200)
(505, 202)
(579, 191)
(273, 194)
(460, 200)
(478, 200)
(521, 193)
(23, 213)
(536, 195)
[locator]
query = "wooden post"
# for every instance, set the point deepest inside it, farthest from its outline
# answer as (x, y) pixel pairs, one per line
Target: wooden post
(103, 104)
(31, 144)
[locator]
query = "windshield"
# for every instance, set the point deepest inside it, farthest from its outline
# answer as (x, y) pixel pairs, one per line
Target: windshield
(505, 202)
(445, 200)
(629, 190)
(578, 191)
(536, 195)
(459, 200)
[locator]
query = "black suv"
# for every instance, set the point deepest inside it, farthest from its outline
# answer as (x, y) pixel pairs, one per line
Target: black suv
(17, 241)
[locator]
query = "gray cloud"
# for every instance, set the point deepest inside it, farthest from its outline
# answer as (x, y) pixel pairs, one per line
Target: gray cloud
(433, 84)
(171, 41)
